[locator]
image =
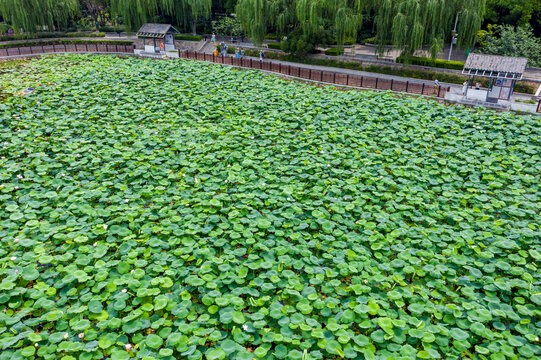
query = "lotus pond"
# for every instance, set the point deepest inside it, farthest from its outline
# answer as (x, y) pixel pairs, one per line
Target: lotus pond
(184, 210)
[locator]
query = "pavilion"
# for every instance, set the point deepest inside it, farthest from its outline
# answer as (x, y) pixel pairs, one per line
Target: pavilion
(158, 37)
(503, 72)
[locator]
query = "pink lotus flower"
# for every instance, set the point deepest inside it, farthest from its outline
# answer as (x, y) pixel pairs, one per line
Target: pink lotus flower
(128, 347)
(81, 335)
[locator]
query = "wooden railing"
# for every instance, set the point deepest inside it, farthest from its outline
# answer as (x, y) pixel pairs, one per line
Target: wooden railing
(332, 77)
(63, 48)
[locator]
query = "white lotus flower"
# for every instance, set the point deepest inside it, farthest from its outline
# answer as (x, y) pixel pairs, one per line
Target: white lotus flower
(124, 291)
(13, 258)
(245, 327)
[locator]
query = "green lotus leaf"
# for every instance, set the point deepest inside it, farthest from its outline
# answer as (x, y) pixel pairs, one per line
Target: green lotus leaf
(154, 341)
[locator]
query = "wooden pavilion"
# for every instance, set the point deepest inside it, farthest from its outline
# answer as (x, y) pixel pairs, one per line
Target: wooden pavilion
(158, 37)
(503, 72)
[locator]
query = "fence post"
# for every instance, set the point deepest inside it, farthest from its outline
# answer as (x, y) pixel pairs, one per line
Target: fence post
(334, 78)
(439, 88)
(86, 47)
(423, 89)
(19, 50)
(407, 85)
(42, 49)
(377, 83)
(391, 84)
(347, 79)
(362, 78)
(539, 106)
(54, 49)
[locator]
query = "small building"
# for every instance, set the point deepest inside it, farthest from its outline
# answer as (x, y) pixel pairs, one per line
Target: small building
(502, 71)
(157, 38)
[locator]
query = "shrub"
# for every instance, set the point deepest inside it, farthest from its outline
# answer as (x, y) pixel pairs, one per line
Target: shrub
(188, 37)
(439, 63)
(112, 28)
(276, 45)
(334, 51)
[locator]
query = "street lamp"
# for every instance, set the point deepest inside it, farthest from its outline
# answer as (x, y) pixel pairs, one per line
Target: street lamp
(454, 35)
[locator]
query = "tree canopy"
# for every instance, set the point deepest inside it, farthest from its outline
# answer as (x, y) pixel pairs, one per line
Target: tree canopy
(28, 15)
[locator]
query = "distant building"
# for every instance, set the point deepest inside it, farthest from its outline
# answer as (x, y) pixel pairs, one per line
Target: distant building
(158, 39)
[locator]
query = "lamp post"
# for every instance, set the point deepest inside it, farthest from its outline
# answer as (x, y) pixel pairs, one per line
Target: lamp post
(453, 39)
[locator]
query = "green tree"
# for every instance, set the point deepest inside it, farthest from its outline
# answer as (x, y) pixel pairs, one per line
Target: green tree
(509, 41)
(412, 24)
(28, 15)
(137, 12)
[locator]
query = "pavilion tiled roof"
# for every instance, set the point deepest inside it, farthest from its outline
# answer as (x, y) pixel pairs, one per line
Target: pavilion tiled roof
(495, 66)
(150, 30)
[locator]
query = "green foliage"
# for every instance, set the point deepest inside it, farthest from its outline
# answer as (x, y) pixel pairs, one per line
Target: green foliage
(149, 211)
(514, 13)
(276, 46)
(412, 24)
(33, 15)
(227, 25)
(439, 63)
(334, 51)
(60, 42)
(301, 43)
(136, 12)
(188, 37)
(508, 41)
(255, 17)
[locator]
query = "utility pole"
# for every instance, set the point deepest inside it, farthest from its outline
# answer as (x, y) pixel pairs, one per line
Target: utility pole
(453, 39)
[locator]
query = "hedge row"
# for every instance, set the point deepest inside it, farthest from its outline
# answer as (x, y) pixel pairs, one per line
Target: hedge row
(188, 37)
(334, 51)
(276, 46)
(62, 42)
(439, 63)
(49, 35)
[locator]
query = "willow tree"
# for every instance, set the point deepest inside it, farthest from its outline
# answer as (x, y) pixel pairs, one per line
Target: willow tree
(134, 12)
(255, 17)
(29, 15)
(415, 24)
(137, 12)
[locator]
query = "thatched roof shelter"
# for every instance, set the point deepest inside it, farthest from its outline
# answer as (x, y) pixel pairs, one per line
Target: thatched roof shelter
(495, 66)
(157, 31)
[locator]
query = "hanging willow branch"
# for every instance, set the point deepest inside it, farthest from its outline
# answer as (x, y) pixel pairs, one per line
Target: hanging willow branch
(415, 24)
(28, 15)
(255, 17)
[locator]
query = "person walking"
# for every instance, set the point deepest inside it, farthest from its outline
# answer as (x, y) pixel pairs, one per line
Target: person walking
(436, 86)
(261, 55)
(464, 88)
(213, 38)
(237, 53)
(242, 53)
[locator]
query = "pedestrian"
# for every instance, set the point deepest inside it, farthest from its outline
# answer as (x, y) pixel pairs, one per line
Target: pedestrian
(436, 86)
(213, 38)
(242, 53)
(261, 55)
(237, 53)
(464, 87)
(477, 86)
